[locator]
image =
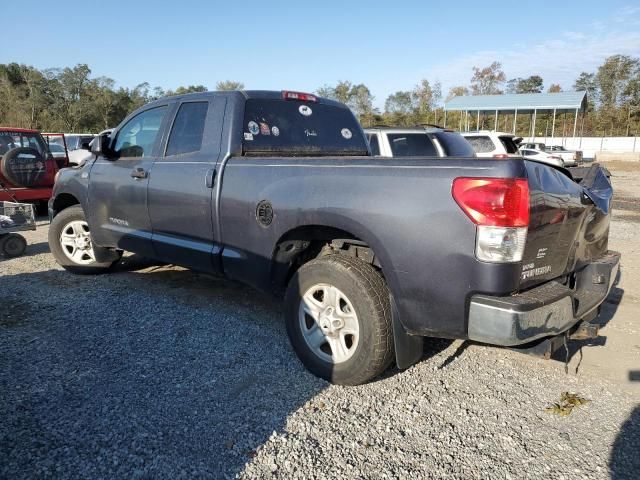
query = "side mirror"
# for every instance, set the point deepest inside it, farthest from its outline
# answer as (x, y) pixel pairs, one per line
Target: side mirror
(101, 146)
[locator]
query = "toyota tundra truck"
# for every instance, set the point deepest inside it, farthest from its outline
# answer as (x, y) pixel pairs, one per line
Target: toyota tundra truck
(279, 190)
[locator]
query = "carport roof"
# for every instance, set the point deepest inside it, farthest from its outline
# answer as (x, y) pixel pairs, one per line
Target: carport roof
(522, 102)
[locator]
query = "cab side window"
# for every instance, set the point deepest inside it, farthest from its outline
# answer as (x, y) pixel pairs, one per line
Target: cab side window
(138, 136)
(373, 143)
(188, 129)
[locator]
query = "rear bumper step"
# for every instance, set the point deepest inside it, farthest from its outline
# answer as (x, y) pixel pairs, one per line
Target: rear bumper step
(544, 311)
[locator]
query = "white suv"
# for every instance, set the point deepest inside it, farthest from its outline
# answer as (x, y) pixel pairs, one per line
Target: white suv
(488, 144)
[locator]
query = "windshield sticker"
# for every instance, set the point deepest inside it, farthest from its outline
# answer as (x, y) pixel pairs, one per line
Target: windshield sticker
(253, 128)
(248, 136)
(305, 110)
(346, 133)
(310, 133)
(275, 131)
(264, 129)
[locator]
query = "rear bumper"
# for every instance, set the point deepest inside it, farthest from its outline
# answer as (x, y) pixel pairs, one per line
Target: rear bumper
(550, 309)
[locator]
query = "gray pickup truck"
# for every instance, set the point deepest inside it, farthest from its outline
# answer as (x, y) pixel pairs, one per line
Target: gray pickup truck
(279, 190)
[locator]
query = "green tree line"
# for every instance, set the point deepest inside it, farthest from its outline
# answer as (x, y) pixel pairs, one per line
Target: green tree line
(72, 100)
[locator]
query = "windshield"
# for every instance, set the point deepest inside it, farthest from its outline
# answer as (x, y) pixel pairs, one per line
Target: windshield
(411, 145)
(294, 128)
(10, 140)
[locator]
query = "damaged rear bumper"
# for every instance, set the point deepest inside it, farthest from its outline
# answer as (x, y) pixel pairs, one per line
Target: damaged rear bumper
(543, 311)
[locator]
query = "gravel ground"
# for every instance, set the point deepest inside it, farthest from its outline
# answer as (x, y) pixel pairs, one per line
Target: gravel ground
(159, 372)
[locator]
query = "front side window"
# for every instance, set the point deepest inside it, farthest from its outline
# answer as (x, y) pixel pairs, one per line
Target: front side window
(411, 145)
(138, 136)
(188, 128)
(481, 144)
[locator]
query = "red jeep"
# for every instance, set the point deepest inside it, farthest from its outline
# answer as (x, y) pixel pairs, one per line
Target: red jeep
(27, 167)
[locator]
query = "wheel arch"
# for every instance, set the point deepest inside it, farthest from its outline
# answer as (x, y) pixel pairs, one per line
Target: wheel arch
(303, 243)
(62, 201)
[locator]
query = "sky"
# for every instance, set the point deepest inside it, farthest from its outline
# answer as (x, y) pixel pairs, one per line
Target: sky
(276, 45)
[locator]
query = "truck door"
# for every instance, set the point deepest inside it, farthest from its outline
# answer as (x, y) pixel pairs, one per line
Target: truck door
(118, 214)
(181, 186)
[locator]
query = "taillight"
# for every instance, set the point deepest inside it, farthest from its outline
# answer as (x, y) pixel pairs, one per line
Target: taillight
(303, 97)
(500, 209)
(497, 202)
(501, 156)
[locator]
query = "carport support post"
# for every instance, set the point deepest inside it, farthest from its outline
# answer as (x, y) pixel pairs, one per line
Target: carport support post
(495, 125)
(553, 124)
(478, 121)
(515, 120)
(575, 124)
(445, 119)
(535, 114)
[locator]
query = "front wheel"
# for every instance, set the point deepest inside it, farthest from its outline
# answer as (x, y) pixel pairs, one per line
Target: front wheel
(71, 245)
(338, 319)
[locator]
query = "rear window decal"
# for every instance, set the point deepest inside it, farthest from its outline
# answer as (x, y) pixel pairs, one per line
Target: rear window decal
(305, 110)
(264, 128)
(253, 128)
(248, 136)
(275, 131)
(346, 133)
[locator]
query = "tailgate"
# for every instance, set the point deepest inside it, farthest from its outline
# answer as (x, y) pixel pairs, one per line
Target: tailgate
(569, 222)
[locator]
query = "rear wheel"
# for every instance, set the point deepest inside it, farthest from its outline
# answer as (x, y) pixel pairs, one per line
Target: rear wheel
(71, 245)
(12, 245)
(339, 319)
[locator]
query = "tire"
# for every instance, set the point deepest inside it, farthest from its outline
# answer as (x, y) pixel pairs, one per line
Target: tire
(71, 221)
(24, 167)
(12, 245)
(361, 292)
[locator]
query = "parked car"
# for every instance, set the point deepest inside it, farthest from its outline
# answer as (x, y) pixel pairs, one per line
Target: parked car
(78, 145)
(533, 146)
(571, 158)
(419, 141)
(279, 190)
(541, 156)
(27, 167)
(489, 144)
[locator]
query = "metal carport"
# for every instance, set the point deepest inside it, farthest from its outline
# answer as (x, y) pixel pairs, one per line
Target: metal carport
(523, 103)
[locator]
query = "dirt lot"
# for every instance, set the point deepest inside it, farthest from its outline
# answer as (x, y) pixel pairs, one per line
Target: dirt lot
(159, 372)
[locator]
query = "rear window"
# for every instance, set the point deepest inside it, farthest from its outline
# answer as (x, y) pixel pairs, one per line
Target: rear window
(509, 145)
(454, 144)
(481, 143)
(293, 128)
(10, 140)
(411, 145)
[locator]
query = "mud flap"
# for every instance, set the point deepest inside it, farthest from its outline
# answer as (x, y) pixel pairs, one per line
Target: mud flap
(409, 348)
(104, 255)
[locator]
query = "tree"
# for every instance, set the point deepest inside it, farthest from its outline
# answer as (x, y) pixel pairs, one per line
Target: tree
(532, 84)
(357, 97)
(613, 78)
(399, 103)
(227, 85)
(487, 80)
(459, 91)
(422, 98)
(554, 88)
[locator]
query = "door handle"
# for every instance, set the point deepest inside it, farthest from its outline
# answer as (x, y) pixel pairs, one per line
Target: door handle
(139, 173)
(211, 175)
